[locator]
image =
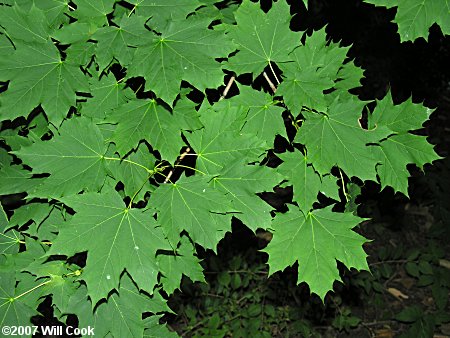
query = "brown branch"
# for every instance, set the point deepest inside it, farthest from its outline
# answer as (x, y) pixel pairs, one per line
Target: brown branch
(227, 88)
(272, 86)
(183, 155)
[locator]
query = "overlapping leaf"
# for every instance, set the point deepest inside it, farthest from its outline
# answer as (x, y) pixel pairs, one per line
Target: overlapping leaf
(302, 176)
(399, 150)
(121, 315)
(114, 41)
(220, 142)
(173, 267)
(147, 120)
(107, 94)
(133, 172)
(261, 38)
(240, 183)
(191, 204)
(336, 138)
(74, 159)
(43, 80)
(162, 11)
(185, 50)
(129, 240)
(316, 240)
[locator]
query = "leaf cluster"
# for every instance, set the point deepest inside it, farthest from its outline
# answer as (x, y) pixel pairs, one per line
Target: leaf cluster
(103, 104)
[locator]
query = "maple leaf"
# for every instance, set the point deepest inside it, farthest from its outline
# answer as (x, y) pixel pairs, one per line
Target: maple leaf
(396, 152)
(398, 118)
(121, 314)
(133, 172)
(173, 267)
(191, 204)
(185, 50)
(313, 69)
(261, 37)
(12, 310)
(414, 18)
(146, 120)
(115, 41)
(59, 278)
(263, 118)
(43, 79)
(302, 176)
(124, 244)
(336, 138)
(316, 240)
(161, 11)
(15, 179)
(240, 183)
(74, 159)
(27, 25)
(93, 11)
(107, 94)
(220, 142)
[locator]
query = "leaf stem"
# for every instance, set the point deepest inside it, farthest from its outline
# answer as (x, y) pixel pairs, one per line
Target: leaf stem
(272, 86)
(132, 162)
(273, 72)
(343, 186)
(183, 155)
(32, 289)
(191, 168)
(227, 88)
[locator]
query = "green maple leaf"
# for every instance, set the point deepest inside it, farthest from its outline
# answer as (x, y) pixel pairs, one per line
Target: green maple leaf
(240, 183)
(133, 172)
(13, 312)
(125, 243)
(183, 263)
(314, 68)
(301, 175)
(316, 240)
(147, 120)
(398, 118)
(153, 329)
(121, 314)
(42, 79)
(74, 159)
(191, 204)
(93, 11)
(9, 238)
(54, 10)
(27, 25)
(161, 11)
(107, 94)
(396, 152)
(185, 50)
(15, 179)
(263, 118)
(60, 281)
(220, 142)
(414, 18)
(336, 138)
(115, 41)
(261, 37)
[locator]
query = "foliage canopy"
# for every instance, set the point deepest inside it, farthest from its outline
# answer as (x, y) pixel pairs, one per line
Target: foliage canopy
(101, 101)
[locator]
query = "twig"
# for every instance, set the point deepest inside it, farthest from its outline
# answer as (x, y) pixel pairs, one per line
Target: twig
(273, 72)
(227, 88)
(343, 186)
(398, 261)
(183, 155)
(272, 86)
